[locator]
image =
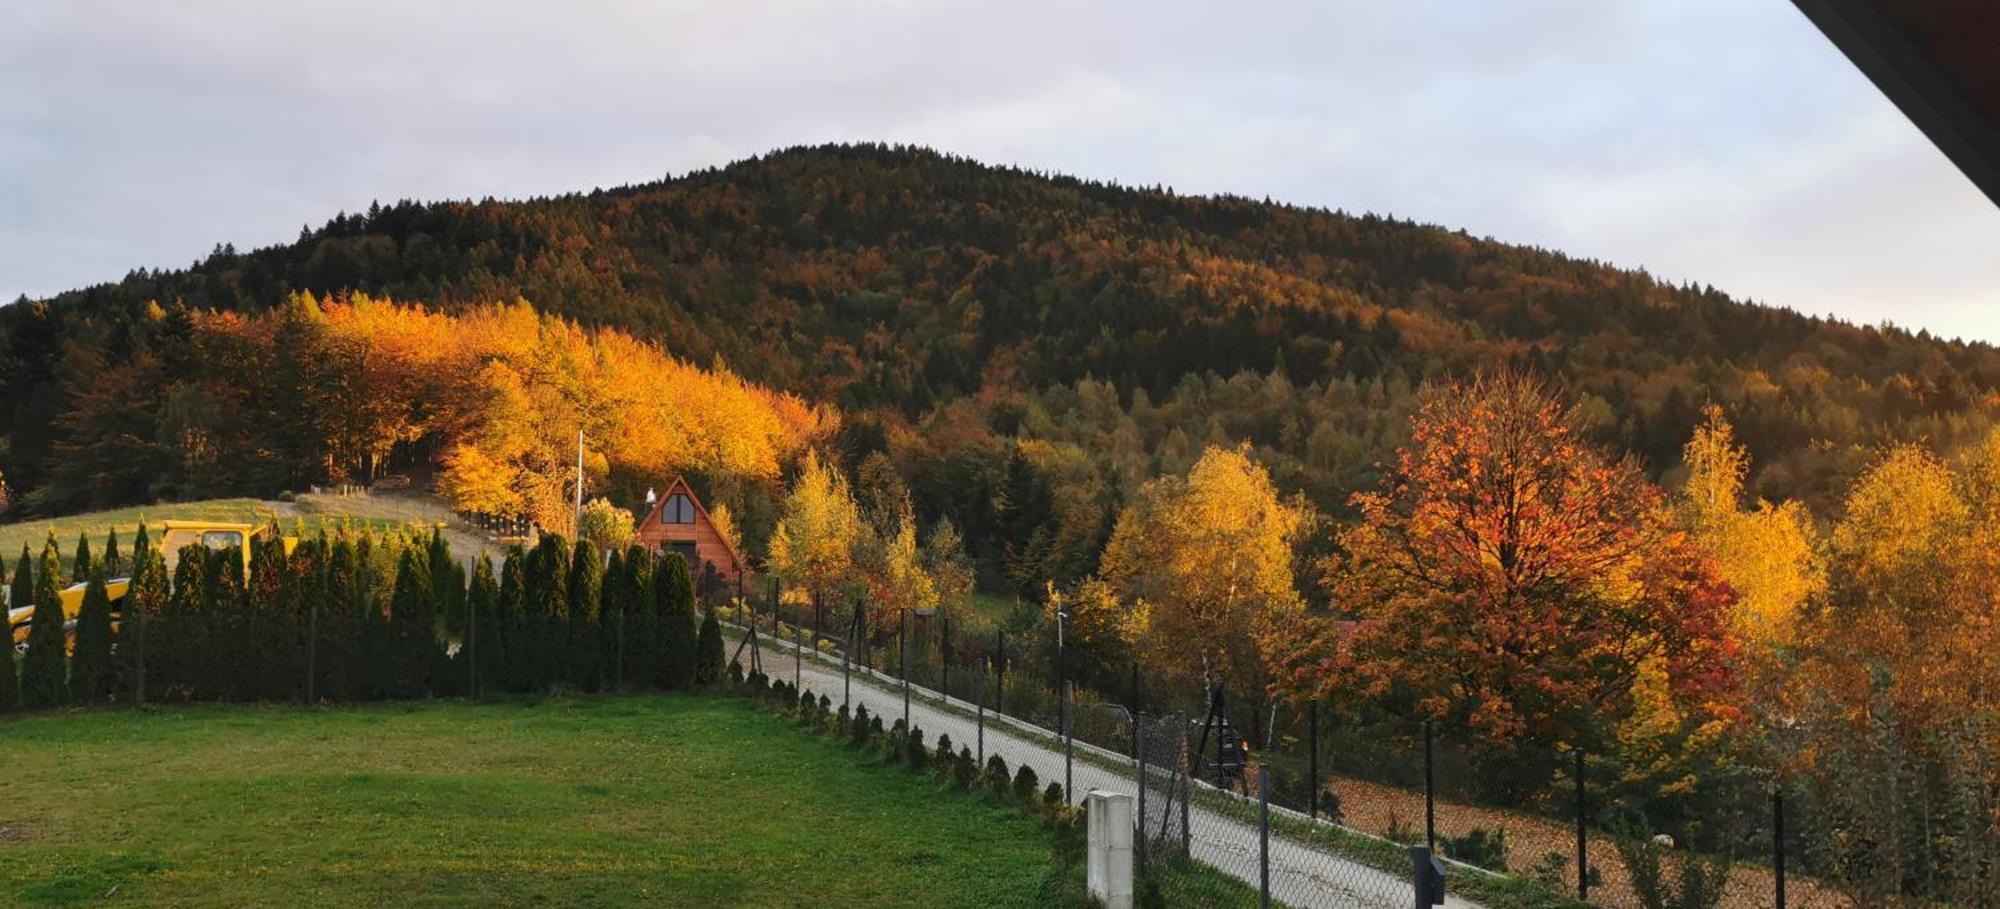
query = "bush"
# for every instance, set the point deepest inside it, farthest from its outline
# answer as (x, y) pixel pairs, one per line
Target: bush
(945, 749)
(1480, 846)
(840, 722)
(1697, 883)
(1025, 785)
(914, 753)
(996, 780)
(964, 770)
(858, 727)
(736, 674)
(1329, 806)
(1052, 798)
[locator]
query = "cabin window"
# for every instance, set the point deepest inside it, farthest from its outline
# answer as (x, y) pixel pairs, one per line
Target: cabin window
(678, 510)
(222, 539)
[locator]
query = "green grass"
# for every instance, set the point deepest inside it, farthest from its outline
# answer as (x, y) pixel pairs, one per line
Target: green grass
(310, 512)
(664, 800)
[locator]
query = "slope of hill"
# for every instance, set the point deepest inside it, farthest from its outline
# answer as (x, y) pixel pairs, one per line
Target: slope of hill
(950, 308)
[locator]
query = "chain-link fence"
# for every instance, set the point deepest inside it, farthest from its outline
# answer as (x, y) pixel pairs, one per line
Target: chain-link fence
(1346, 794)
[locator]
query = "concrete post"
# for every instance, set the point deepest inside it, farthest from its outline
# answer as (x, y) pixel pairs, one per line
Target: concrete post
(1109, 869)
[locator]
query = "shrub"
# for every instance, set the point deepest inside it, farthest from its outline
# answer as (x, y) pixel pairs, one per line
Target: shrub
(1479, 846)
(1329, 806)
(1697, 883)
(964, 770)
(840, 722)
(1025, 784)
(708, 656)
(914, 752)
(996, 779)
(1052, 798)
(857, 728)
(945, 749)
(736, 674)
(1150, 894)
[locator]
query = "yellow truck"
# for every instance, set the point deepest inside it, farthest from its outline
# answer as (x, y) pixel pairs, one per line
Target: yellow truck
(174, 535)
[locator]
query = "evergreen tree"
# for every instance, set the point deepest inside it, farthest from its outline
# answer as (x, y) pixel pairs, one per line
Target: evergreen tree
(515, 673)
(411, 633)
(708, 649)
(483, 640)
(80, 570)
(91, 677)
(642, 619)
(112, 564)
(448, 612)
(338, 660)
(45, 669)
(673, 595)
(547, 604)
(182, 630)
(138, 618)
(585, 585)
(227, 665)
(611, 609)
(17, 596)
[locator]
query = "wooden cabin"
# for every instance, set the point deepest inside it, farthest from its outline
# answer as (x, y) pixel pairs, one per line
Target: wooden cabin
(678, 523)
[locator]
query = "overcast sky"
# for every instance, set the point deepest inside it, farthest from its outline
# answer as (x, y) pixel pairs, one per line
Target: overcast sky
(1718, 141)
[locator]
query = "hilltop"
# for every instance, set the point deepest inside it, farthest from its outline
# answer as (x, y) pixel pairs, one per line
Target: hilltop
(950, 309)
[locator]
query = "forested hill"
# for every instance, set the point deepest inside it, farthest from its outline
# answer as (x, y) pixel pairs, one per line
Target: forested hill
(910, 288)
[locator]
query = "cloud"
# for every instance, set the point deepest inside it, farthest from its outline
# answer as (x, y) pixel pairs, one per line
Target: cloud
(1709, 141)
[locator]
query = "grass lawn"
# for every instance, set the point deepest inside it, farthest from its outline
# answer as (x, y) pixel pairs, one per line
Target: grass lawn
(658, 800)
(308, 512)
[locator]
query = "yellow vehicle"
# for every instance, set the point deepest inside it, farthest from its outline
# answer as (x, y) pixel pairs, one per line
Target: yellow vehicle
(174, 535)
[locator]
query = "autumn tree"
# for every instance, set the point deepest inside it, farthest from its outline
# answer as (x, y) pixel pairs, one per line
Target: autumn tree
(1204, 563)
(45, 667)
(605, 526)
(813, 546)
(1511, 577)
(1768, 554)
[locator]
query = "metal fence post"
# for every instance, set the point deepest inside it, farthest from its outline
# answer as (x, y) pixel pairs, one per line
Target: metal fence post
(1430, 793)
(1135, 708)
(1264, 836)
(1582, 845)
(1312, 760)
(1000, 656)
(1069, 749)
(944, 653)
(1001, 669)
(982, 718)
(847, 659)
(1139, 757)
(1778, 843)
(903, 651)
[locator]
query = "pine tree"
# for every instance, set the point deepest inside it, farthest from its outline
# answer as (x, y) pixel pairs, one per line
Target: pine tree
(585, 585)
(483, 640)
(90, 679)
(611, 610)
(80, 572)
(448, 612)
(339, 658)
(547, 606)
(411, 631)
(708, 649)
(642, 619)
(112, 564)
(138, 615)
(45, 669)
(514, 672)
(673, 592)
(226, 667)
(17, 596)
(181, 634)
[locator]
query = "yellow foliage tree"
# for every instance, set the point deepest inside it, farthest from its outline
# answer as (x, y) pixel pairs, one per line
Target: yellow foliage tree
(1205, 563)
(813, 545)
(1768, 554)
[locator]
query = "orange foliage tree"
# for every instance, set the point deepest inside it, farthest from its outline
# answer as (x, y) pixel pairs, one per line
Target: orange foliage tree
(1510, 576)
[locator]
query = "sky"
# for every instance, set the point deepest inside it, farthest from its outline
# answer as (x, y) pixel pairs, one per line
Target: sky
(1713, 141)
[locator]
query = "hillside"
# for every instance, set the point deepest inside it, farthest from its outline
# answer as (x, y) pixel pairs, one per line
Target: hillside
(949, 308)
